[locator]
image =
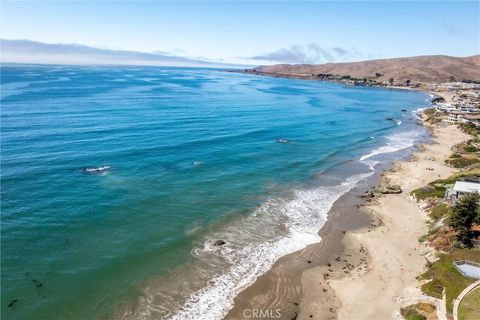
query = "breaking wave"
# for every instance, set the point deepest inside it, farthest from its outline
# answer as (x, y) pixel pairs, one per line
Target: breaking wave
(395, 142)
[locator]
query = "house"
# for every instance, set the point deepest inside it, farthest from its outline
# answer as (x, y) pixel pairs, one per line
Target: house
(472, 118)
(455, 116)
(442, 106)
(467, 109)
(462, 188)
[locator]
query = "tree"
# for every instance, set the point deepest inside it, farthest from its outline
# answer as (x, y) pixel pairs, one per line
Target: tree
(390, 80)
(465, 212)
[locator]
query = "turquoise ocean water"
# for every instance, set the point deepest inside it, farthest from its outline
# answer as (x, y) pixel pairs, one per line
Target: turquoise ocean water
(190, 156)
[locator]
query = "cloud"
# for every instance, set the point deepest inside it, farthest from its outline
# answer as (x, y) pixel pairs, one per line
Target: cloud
(26, 51)
(453, 31)
(310, 53)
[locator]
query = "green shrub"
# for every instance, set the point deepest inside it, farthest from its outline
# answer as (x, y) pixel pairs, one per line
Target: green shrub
(470, 129)
(417, 316)
(462, 162)
(429, 112)
(470, 148)
(423, 238)
(410, 313)
(464, 214)
(439, 211)
(458, 176)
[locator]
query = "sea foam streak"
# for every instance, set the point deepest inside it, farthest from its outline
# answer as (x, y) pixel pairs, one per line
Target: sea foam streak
(303, 217)
(395, 142)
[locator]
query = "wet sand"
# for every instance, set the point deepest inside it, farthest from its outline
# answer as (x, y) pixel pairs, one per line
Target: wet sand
(366, 264)
(303, 276)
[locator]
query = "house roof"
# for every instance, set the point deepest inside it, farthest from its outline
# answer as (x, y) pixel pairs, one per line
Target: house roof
(467, 187)
(472, 116)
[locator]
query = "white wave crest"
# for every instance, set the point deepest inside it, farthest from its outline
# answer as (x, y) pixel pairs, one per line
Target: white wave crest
(395, 142)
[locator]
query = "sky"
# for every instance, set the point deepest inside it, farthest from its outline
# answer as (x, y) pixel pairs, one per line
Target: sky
(249, 32)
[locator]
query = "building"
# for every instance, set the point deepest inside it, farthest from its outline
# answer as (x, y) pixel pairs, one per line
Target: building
(462, 188)
(472, 118)
(467, 109)
(442, 106)
(455, 116)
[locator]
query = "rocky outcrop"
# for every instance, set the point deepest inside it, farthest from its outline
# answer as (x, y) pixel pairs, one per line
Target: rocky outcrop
(388, 189)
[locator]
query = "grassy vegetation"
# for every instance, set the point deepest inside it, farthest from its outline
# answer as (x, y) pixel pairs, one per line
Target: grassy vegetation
(437, 188)
(432, 116)
(429, 112)
(418, 311)
(462, 161)
(469, 308)
(470, 129)
(474, 173)
(411, 314)
(439, 211)
(444, 275)
(465, 153)
(429, 191)
(470, 149)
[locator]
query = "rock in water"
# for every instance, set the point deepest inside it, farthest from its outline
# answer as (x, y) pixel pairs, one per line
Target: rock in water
(219, 243)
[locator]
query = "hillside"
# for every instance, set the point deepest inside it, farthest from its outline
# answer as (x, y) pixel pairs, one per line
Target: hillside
(416, 69)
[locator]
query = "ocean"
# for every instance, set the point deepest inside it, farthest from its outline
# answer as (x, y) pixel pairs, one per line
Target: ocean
(161, 192)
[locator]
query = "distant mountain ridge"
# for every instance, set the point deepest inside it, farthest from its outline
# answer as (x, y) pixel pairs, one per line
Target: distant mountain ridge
(435, 68)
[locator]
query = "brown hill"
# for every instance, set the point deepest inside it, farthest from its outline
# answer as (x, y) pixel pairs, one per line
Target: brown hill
(416, 69)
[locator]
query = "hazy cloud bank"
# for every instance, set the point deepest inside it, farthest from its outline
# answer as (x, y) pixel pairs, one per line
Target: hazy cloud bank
(310, 53)
(26, 51)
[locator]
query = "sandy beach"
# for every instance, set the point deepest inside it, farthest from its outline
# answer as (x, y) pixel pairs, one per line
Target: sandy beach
(366, 265)
(396, 255)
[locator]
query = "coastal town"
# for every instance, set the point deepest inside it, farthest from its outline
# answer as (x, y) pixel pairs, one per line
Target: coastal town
(463, 104)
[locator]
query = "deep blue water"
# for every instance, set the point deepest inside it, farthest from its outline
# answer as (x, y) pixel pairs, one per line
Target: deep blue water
(193, 155)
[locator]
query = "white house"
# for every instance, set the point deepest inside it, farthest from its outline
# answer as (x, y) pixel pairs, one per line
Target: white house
(455, 116)
(462, 188)
(442, 106)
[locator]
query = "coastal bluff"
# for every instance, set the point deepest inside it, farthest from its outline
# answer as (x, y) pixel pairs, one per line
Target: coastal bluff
(428, 69)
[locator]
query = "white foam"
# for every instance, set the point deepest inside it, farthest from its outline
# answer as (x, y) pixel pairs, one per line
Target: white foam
(419, 110)
(303, 217)
(395, 142)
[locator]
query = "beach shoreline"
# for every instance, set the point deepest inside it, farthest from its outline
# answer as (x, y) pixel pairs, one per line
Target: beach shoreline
(369, 250)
